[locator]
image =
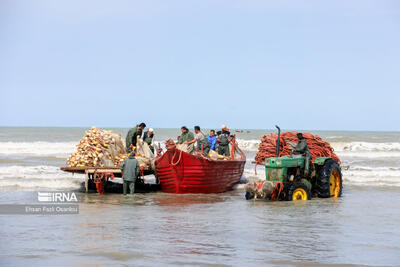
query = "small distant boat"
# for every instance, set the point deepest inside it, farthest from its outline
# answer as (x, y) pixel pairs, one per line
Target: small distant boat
(182, 173)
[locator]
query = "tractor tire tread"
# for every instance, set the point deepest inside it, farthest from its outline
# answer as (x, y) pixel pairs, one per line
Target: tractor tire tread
(322, 185)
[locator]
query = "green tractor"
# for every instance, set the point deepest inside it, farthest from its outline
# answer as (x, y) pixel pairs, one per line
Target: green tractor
(287, 174)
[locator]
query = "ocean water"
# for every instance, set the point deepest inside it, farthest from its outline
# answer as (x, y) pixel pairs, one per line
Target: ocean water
(361, 228)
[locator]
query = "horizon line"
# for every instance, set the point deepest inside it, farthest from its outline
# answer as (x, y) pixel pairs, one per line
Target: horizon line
(155, 127)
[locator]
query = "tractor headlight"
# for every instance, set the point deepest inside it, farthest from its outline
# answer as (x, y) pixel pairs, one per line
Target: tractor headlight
(278, 162)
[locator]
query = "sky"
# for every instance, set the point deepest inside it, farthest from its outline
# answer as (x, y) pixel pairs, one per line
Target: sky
(321, 65)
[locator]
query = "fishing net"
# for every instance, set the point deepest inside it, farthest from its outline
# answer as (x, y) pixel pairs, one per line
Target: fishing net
(188, 148)
(98, 148)
(215, 156)
(317, 146)
(102, 148)
(144, 155)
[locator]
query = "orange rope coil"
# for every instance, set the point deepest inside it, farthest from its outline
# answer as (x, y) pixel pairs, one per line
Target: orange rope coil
(317, 146)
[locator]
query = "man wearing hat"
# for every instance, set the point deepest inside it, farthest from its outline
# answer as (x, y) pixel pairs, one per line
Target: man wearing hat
(223, 139)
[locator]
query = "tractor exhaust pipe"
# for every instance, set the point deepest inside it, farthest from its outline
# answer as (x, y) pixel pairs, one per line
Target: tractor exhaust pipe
(278, 140)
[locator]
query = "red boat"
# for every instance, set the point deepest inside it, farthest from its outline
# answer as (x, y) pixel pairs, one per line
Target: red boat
(181, 173)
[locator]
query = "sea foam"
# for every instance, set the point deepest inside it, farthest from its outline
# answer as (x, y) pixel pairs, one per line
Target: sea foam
(35, 177)
(38, 148)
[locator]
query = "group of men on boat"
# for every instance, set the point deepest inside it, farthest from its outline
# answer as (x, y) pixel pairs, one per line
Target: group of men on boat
(130, 168)
(218, 142)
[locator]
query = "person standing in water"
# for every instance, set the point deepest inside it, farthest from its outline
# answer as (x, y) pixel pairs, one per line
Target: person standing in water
(130, 171)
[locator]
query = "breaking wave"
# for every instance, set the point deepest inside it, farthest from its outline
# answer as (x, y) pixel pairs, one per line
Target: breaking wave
(39, 148)
(366, 146)
(380, 176)
(38, 177)
(372, 164)
(248, 145)
(65, 148)
(252, 145)
(355, 175)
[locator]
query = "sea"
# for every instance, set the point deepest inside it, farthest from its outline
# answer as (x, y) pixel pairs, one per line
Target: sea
(362, 228)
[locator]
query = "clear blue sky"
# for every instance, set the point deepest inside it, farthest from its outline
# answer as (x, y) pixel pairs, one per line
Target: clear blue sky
(331, 65)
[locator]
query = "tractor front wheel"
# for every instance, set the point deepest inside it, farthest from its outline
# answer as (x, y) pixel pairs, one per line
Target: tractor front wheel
(298, 191)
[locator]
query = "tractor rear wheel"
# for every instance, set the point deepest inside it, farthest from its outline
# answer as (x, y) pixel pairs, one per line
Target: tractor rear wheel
(298, 191)
(329, 180)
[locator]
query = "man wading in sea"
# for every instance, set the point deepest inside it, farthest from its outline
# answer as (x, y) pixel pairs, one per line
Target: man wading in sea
(130, 170)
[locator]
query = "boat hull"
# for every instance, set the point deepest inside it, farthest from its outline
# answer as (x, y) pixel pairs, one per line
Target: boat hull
(183, 173)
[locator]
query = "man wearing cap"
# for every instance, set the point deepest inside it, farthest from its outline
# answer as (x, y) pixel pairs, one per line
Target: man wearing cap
(223, 139)
(148, 137)
(302, 149)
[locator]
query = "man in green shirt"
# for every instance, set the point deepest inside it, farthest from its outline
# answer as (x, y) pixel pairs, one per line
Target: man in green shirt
(130, 170)
(224, 137)
(131, 137)
(302, 149)
(202, 142)
(186, 135)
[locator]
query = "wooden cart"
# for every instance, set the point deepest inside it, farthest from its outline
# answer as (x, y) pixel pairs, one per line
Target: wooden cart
(103, 171)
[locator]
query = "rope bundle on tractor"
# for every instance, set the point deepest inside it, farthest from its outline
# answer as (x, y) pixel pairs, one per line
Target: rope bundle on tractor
(317, 146)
